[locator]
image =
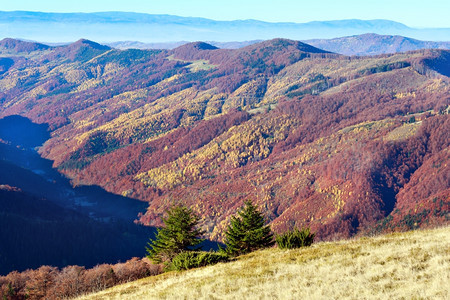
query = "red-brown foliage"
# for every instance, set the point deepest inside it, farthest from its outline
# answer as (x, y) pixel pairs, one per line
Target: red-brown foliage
(127, 162)
(71, 281)
(339, 189)
(21, 46)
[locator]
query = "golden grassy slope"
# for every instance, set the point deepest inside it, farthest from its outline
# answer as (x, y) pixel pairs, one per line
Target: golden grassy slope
(411, 265)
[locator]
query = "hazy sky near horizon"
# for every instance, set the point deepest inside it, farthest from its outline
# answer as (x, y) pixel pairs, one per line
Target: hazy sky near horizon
(414, 13)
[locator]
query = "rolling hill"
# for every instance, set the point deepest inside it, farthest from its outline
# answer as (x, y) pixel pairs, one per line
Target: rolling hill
(408, 265)
(345, 145)
(364, 44)
(172, 45)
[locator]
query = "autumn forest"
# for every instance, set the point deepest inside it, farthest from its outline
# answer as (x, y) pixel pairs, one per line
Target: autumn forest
(345, 145)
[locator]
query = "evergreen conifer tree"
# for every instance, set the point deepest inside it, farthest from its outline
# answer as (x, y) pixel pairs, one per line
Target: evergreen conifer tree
(179, 234)
(247, 232)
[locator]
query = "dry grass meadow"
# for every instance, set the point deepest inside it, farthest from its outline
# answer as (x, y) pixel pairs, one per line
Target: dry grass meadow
(411, 265)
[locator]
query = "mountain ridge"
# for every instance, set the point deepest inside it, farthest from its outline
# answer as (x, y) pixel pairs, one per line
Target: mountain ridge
(119, 16)
(114, 26)
(362, 45)
(365, 44)
(374, 44)
(21, 46)
(340, 144)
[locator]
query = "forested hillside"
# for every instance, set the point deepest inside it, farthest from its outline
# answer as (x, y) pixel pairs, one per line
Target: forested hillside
(344, 145)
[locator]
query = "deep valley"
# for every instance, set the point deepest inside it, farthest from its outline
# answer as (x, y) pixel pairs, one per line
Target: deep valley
(46, 221)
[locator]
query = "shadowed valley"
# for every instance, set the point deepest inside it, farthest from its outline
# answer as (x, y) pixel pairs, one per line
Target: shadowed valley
(45, 221)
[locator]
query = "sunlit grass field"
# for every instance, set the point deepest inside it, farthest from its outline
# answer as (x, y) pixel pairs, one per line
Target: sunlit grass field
(411, 265)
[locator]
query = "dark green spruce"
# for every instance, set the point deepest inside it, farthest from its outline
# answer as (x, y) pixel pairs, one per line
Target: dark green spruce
(178, 234)
(295, 239)
(195, 259)
(247, 231)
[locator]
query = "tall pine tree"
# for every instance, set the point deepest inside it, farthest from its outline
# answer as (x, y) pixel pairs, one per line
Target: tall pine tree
(179, 234)
(247, 232)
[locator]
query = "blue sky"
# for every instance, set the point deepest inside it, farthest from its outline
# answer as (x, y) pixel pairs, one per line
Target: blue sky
(431, 13)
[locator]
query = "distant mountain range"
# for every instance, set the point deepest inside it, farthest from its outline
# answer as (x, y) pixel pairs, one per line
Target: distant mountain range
(364, 44)
(148, 28)
(372, 44)
(172, 45)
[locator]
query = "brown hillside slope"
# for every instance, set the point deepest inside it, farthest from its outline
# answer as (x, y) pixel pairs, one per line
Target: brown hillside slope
(344, 145)
(21, 46)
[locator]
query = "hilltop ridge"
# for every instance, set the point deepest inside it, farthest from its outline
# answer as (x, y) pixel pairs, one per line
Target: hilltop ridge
(406, 265)
(21, 46)
(364, 44)
(81, 50)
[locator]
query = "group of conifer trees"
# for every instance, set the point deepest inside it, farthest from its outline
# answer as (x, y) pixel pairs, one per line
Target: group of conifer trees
(176, 243)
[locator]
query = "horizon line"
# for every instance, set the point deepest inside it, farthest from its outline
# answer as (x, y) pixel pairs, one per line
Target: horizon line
(222, 20)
